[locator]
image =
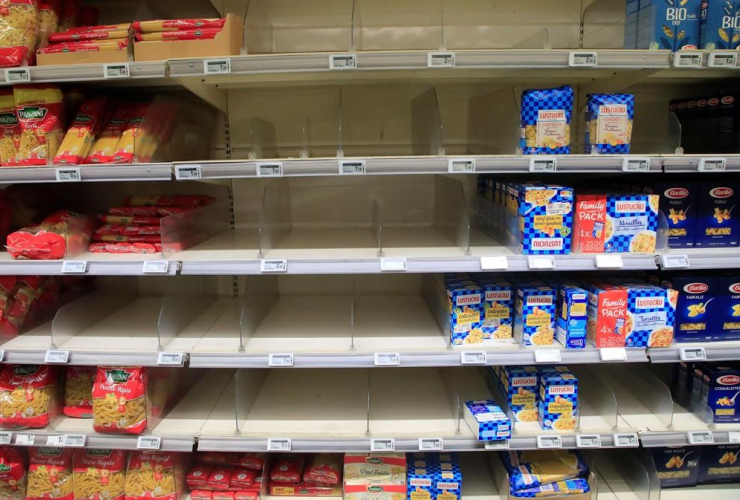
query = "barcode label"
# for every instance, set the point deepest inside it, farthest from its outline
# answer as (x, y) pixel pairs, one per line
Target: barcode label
(387, 359)
(394, 264)
(613, 354)
(352, 167)
(56, 357)
(279, 444)
(217, 66)
(636, 165)
(722, 60)
(461, 166)
(441, 60)
(148, 443)
(473, 358)
(68, 174)
(280, 360)
(343, 61)
(170, 359)
(187, 172)
(582, 59)
(693, 354)
(549, 442)
(386, 444)
(6, 437)
(155, 267)
(543, 164)
(588, 441)
(25, 439)
(75, 440)
(17, 75)
(269, 170)
(609, 261)
(547, 356)
(674, 261)
(431, 444)
(626, 440)
(274, 266)
(701, 437)
(687, 60)
(117, 70)
(498, 263)
(74, 266)
(712, 164)
(541, 262)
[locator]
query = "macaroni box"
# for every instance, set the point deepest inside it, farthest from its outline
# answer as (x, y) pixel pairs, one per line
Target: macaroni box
(609, 119)
(631, 223)
(726, 322)
(722, 388)
(572, 316)
(520, 384)
(677, 467)
(545, 216)
(669, 25)
(607, 315)
(534, 323)
(695, 309)
(498, 308)
(719, 464)
(487, 420)
(558, 403)
(678, 204)
(651, 316)
(464, 304)
(720, 25)
(717, 223)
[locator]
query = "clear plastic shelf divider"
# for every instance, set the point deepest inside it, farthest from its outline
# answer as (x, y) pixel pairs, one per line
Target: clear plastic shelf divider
(644, 386)
(538, 40)
(451, 212)
(427, 136)
(600, 398)
(377, 226)
(434, 296)
(186, 298)
(260, 296)
(275, 217)
(602, 25)
(184, 230)
(262, 139)
(247, 386)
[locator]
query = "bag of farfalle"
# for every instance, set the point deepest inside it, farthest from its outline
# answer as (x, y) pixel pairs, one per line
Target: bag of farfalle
(27, 396)
(19, 24)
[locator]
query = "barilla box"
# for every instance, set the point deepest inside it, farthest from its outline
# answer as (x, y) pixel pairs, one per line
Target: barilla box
(677, 466)
(727, 319)
(520, 384)
(631, 223)
(545, 216)
(699, 387)
(718, 223)
(498, 308)
(723, 388)
(630, 24)
(534, 323)
(651, 316)
(720, 25)
(607, 315)
(558, 402)
(572, 316)
(448, 482)
(719, 464)
(669, 25)
(590, 223)
(678, 203)
(487, 420)
(464, 304)
(696, 308)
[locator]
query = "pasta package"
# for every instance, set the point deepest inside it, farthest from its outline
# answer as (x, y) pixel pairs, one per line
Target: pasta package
(19, 24)
(126, 148)
(39, 110)
(153, 475)
(105, 146)
(99, 474)
(80, 136)
(177, 200)
(125, 247)
(529, 470)
(78, 391)
(177, 25)
(49, 14)
(324, 469)
(94, 46)
(50, 239)
(27, 394)
(609, 119)
(199, 34)
(651, 316)
(13, 480)
(79, 36)
(545, 121)
(120, 400)
(50, 474)
(10, 140)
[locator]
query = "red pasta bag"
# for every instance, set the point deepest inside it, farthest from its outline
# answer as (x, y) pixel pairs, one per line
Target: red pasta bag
(19, 25)
(49, 240)
(25, 292)
(223, 495)
(201, 495)
(242, 478)
(138, 248)
(39, 108)
(78, 391)
(324, 469)
(13, 480)
(220, 478)
(214, 457)
(177, 200)
(135, 211)
(177, 25)
(10, 130)
(81, 134)
(129, 219)
(50, 466)
(27, 394)
(198, 476)
(120, 400)
(154, 475)
(117, 238)
(287, 469)
(246, 495)
(108, 229)
(7, 284)
(105, 144)
(199, 34)
(248, 460)
(141, 230)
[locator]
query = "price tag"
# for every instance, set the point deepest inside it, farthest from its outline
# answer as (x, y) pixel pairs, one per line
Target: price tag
(17, 75)
(68, 174)
(269, 169)
(636, 165)
(74, 267)
(387, 359)
(543, 164)
(55, 441)
(494, 263)
(626, 441)
(693, 354)
(497, 445)
(461, 166)
(116, 70)
(588, 441)
(712, 164)
(56, 357)
(386, 444)
(733, 436)
(274, 266)
(280, 360)
(170, 358)
(352, 167)
(473, 358)
(613, 354)
(674, 261)
(75, 440)
(541, 262)
(25, 439)
(549, 442)
(343, 61)
(279, 444)
(187, 172)
(6, 437)
(547, 356)
(394, 264)
(217, 66)
(441, 60)
(431, 444)
(148, 443)
(582, 59)
(609, 261)
(701, 437)
(155, 267)
(687, 59)
(722, 60)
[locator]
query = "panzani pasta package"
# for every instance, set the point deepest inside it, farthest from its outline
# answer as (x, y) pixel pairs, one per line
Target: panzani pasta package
(19, 24)
(99, 474)
(10, 130)
(609, 119)
(153, 475)
(27, 394)
(39, 110)
(49, 14)
(545, 121)
(50, 474)
(177, 25)
(199, 34)
(126, 148)
(78, 391)
(13, 480)
(119, 400)
(106, 144)
(80, 136)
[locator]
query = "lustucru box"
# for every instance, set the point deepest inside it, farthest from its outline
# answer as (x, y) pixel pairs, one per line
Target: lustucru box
(545, 215)
(487, 420)
(572, 319)
(521, 385)
(651, 316)
(558, 402)
(534, 323)
(464, 305)
(607, 315)
(631, 223)
(498, 308)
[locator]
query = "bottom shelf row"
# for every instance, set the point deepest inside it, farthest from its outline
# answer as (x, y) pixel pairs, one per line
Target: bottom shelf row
(104, 474)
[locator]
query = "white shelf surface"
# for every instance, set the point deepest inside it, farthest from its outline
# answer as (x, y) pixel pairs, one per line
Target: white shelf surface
(89, 173)
(704, 491)
(98, 264)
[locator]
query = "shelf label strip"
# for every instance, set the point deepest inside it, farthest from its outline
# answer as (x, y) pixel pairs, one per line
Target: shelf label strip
(6, 437)
(547, 356)
(693, 354)
(188, 172)
(588, 441)
(25, 439)
(549, 442)
(148, 443)
(170, 359)
(473, 358)
(384, 444)
(441, 60)
(461, 166)
(343, 61)
(116, 70)
(68, 174)
(431, 444)
(56, 357)
(280, 360)
(583, 59)
(626, 441)
(352, 167)
(701, 437)
(279, 444)
(217, 66)
(387, 359)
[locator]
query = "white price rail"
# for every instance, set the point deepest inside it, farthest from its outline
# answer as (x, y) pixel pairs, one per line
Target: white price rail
(384, 444)
(279, 444)
(280, 360)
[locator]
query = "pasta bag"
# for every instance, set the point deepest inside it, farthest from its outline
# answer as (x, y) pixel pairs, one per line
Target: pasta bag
(49, 14)
(78, 391)
(26, 395)
(119, 400)
(132, 136)
(19, 26)
(50, 474)
(99, 474)
(80, 136)
(39, 110)
(10, 140)
(13, 479)
(154, 475)
(106, 144)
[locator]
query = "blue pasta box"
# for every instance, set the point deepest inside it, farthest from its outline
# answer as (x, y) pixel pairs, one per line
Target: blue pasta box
(498, 308)
(448, 482)
(572, 316)
(677, 466)
(534, 323)
(719, 464)
(720, 25)
(722, 385)
(464, 304)
(609, 119)
(678, 202)
(558, 401)
(520, 385)
(651, 316)
(669, 24)
(727, 310)
(718, 221)
(420, 479)
(487, 420)
(631, 223)
(545, 121)
(545, 215)
(696, 308)
(630, 24)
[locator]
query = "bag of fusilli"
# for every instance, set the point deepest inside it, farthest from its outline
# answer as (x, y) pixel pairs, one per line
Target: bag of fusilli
(26, 395)
(99, 474)
(39, 110)
(154, 475)
(13, 479)
(78, 391)
(119, 400)
(19, 24)
(50, 474)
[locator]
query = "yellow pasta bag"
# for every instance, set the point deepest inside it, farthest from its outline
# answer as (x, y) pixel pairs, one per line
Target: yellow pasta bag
(26, 395)
(154, 475)
(126, 148)
(50, 474)
(10, 130)
(106, 144)
(19, 26)
(99, 474)
(39, 110)
(78, 391)
(80, 136)
(119, 400)
(12, 474)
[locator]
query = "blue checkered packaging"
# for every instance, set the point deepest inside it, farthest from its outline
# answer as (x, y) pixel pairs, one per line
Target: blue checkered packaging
(448, 482)
(545, 215)
(572, 316)
(558, 403)
(498, 309)
(520, 385)
(631, 223)
(651, 316)
(558, 489)
(609, 119)
(545, 121)
(487, 420)
(465, 307)
(534, 322)
(420, 480)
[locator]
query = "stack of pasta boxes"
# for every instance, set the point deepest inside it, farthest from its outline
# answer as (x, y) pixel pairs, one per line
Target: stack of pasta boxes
(679, 467)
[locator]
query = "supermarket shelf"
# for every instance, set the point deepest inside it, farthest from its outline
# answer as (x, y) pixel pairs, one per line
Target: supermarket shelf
(97, 265)
(86, 358)
(93, 440)
(680, 438)
(703, 491)
(690, 163)
(704, 258)
(715, 351)
(139, 73)
(90, 173)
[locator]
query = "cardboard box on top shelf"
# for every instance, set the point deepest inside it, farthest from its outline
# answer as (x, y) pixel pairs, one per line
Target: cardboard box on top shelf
(228, 42)
(101, 57)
